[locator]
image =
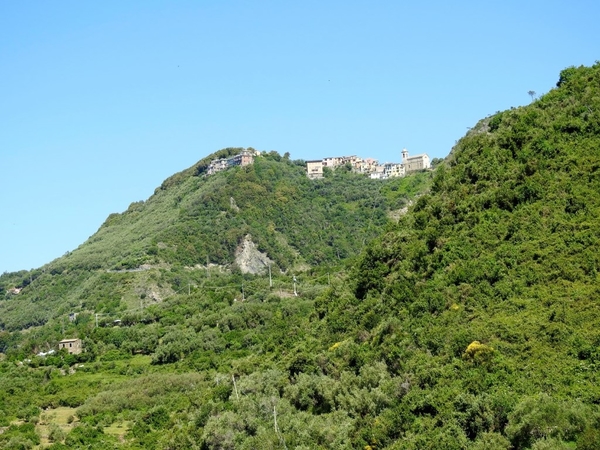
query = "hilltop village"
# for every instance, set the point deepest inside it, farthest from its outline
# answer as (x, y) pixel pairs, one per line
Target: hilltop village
(244, 158)
(370, 166)
(314, 168)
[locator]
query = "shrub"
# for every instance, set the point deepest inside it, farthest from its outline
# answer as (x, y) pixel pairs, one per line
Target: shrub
(478, 352)
(56, 434)
(543, 417)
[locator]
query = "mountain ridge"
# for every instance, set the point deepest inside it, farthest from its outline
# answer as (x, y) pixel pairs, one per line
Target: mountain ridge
(196, 220)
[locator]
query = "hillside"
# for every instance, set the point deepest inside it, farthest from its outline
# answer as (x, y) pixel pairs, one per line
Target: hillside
(471, 323)
(147, 269)
(195, 224)
(487, 295)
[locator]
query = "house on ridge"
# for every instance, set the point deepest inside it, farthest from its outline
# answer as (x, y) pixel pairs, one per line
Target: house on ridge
(414, 163)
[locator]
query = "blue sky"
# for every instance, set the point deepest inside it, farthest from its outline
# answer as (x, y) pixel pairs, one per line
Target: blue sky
(101, 101)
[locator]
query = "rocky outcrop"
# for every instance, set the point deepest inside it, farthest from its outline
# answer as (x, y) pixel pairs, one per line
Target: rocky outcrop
(249, 259)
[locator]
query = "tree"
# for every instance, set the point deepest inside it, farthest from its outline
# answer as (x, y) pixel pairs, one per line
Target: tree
(532, 94)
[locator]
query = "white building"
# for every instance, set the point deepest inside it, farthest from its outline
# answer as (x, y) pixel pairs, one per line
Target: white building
(391, 170)
(378, 173)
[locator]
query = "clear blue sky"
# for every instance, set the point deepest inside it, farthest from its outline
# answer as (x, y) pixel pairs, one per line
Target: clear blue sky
(101, 101)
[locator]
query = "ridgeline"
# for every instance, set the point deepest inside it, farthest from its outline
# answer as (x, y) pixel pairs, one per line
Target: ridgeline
(195, 224)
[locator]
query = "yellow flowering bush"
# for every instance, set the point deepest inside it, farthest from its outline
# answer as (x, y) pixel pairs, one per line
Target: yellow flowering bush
(334, 346)
(478, 352)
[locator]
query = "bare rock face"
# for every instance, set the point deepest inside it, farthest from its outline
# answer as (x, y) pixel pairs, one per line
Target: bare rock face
(395, 215)
(249, 259)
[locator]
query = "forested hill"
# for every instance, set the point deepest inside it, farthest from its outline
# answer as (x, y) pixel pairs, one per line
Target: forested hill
(513, 214)
(487, 296)
(193, 221)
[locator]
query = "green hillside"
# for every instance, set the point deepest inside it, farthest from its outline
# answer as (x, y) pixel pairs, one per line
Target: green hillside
(502, 252)
(182, 324)
(471, 323)
(159, 246)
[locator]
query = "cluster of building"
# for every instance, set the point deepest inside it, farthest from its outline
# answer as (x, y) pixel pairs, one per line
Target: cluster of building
(314, 169)
(244, 158)
(370, 166)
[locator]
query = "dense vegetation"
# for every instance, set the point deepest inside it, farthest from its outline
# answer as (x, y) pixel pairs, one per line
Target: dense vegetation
(469, 324)
(493, 280)
(193, 222)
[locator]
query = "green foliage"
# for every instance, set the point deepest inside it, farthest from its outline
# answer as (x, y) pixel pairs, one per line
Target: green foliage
(491, 441)
(543, 418)
(55, 433)
(88, 437)
(156, 247)
(500, 252)
(20, 437)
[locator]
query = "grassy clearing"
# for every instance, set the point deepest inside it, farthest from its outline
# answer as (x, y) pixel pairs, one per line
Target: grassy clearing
(62, 417)
(118, 430)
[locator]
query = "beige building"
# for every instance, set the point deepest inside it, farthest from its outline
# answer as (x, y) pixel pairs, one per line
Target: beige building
(414, 163)
(333, 162)
(314, 169)
(73, 346)
(368, 165)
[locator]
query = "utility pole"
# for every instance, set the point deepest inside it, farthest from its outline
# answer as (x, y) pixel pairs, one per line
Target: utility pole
(277, 428)
(235, 387)
(295, 293)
